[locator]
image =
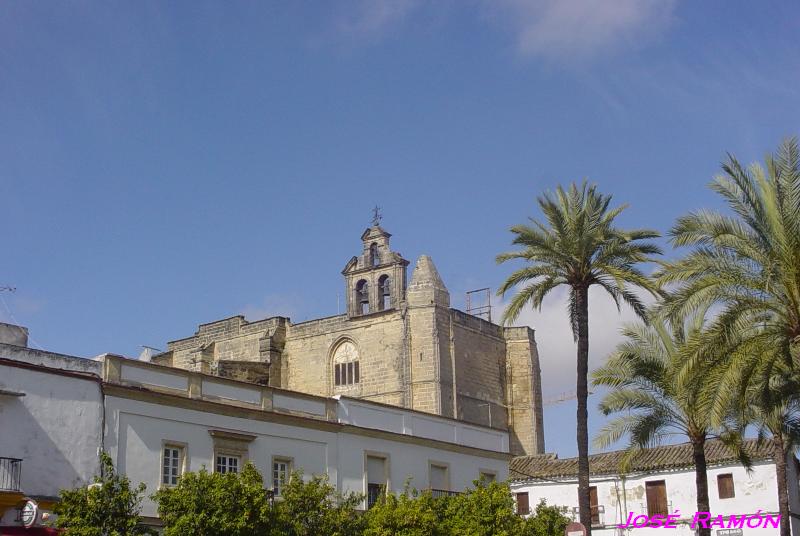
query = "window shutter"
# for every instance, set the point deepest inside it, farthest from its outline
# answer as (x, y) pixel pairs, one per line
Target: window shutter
(593, 504)
(656, 498)
(725, 486)
(523, 507)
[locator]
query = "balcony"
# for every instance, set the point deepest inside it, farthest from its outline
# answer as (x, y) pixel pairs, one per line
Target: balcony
(443, 493)
(598, 514)
(10, 472)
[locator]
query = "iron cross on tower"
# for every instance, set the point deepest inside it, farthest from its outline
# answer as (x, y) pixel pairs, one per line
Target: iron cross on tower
(376, 216)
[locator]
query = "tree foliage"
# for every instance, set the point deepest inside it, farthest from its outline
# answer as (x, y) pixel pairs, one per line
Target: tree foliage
(236, 504)
(313, 507)
(215, 504)
(747, 265)
(485, 510)
(210, 504)
(579, 246)
(109, 507)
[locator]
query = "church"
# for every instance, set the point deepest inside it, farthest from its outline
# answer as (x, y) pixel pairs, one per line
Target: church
(398, 343)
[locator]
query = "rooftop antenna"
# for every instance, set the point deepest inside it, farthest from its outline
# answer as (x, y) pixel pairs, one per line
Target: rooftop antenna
(479, 303)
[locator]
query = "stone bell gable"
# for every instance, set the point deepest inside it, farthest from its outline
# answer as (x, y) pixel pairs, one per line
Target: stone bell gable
(398, 343)
(375, 280)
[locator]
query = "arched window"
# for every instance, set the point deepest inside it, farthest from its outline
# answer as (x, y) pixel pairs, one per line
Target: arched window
(384, 293)
(374, 257)
(362, 297)
(345, 365)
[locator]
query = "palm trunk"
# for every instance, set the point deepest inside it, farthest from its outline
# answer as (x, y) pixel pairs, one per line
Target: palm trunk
(783, 492)
(701, 479)
(584, 506)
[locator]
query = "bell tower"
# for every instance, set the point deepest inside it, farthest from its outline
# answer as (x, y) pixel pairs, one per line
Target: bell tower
(375, 281)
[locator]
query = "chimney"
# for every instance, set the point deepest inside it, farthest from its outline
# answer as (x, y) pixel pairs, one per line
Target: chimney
(14, 335)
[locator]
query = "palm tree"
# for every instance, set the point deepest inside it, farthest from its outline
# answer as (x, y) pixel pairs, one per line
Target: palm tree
(644, 375)
(748, 264)
(773, 408)
(578, 247)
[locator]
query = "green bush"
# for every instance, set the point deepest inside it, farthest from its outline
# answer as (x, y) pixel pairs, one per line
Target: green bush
(215, 504)
(110, 507)
(486, 510)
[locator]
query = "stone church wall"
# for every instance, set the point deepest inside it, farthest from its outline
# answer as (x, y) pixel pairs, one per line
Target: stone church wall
(380, 341)
(480, 352)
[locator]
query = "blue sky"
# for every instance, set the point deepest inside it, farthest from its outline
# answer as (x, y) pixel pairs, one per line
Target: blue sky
(164, 164)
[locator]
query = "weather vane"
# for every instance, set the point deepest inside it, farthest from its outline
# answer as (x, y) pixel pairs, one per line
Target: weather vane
(376, 216)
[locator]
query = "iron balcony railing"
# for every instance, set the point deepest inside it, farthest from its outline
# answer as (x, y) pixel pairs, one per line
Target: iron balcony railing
(444, 493)
(10, 472)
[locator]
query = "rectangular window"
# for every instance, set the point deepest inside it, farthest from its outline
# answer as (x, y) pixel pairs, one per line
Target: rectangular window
(438, 477)
(349, 373)
(355, 368)
(376, 478)
(594, 506)
(725, 486)
(337, 380)
(171, 464)
(374, 492)
(227, 464)
(487, 477)
(523, 507)
(281, 471)
(656, 492)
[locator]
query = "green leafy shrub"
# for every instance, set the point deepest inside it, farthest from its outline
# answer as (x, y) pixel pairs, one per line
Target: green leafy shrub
(110, 507)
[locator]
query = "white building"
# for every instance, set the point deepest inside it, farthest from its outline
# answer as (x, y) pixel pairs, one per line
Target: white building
(50, 422)
(159, 422)
(159, 417)
(660, 480)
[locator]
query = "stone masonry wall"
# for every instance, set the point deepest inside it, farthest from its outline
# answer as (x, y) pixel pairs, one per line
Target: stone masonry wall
(380, 340)
(228, 340)
(480, 352)
(524, 392)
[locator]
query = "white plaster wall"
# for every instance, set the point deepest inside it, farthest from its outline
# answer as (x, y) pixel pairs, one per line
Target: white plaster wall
(409, 463)
(753, 492)
(227, 391)
(55, 428)
(153, 376)
(136, 431)
(298, 403)
(398, 420)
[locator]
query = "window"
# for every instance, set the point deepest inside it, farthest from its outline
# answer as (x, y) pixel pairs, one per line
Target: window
(374, 257)
(227, 464)
(346, 370)
(523, 507)
(362, 297)
(725, 486)
(346, 373)
(487, 476)
(384, 293)
(374, 492)
(377, 476)
(439, 479)
(281, 471)
(594, 506)
(171, 465)
(656, 492)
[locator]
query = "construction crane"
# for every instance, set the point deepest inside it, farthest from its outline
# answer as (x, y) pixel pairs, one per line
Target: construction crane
(561, 397)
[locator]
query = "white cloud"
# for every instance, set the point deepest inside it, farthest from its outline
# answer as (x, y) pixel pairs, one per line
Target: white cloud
(553, 29)
(564, 29)
(274, 305)
(373, 17)
(554, 340)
